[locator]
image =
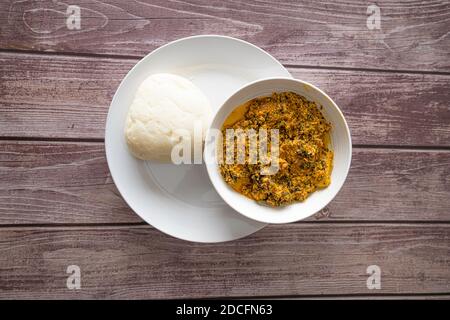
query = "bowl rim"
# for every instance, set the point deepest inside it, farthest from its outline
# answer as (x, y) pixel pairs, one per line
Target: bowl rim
(214, 166)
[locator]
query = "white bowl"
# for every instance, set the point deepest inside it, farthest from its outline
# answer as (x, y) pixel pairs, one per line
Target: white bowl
(340, 144)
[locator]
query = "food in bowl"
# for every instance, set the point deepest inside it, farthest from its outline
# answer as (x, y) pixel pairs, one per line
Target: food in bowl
(305, 160)
(164, 112)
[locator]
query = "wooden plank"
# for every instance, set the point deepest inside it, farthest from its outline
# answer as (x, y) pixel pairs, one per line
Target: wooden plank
(71, 96)
(296, 259)
(394, 185)
(64, 182)
(413, 36)
(389, 109)
(58, 183)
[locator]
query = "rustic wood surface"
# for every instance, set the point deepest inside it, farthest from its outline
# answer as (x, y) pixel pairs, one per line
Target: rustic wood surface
(381, 108)
(141, 262)
(59, 206)
(413, 35)
(69, 182)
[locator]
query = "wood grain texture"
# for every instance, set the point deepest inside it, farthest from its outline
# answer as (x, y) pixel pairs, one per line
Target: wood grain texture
(62, 182)
(393, 211)
(413, 35)
(296, 259)
(71, 95)
(58, 183)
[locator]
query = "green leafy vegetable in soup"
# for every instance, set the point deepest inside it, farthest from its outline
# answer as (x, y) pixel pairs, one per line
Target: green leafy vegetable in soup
(304, 162)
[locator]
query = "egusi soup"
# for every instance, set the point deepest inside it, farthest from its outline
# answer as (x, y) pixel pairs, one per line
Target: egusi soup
(304, 158)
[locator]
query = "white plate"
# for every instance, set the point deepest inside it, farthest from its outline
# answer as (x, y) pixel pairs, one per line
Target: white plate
(180, 200)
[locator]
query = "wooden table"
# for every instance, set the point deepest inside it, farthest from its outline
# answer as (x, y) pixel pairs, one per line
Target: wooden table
(59, 206)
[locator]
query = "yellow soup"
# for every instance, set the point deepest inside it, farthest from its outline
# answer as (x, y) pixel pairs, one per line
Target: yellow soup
(304, 161)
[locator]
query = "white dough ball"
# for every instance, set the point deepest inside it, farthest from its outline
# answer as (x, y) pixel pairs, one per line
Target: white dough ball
(162, 114)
